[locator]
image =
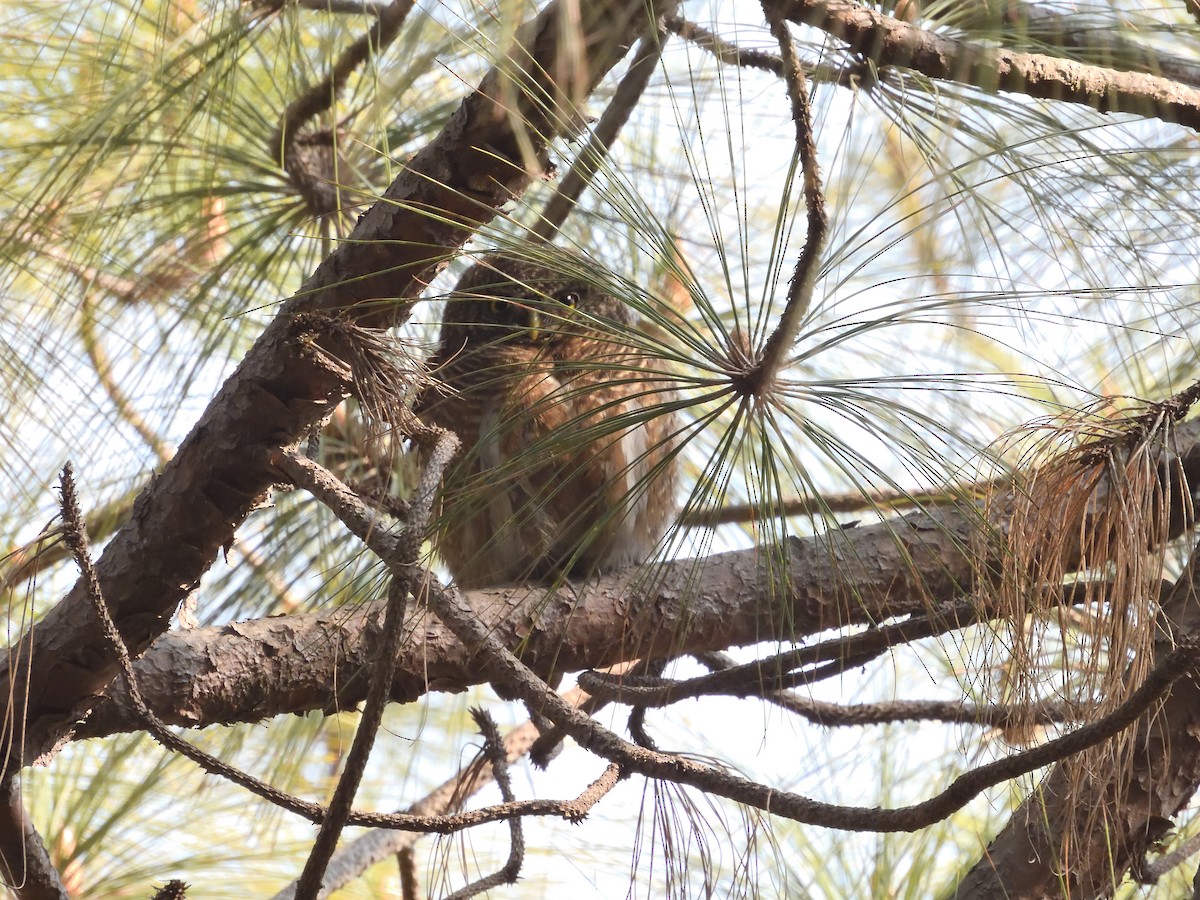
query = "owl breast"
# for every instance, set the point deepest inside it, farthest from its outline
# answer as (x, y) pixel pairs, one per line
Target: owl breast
(567, 469)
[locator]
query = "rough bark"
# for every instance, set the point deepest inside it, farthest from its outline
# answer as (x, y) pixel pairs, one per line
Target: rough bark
(253, 670)
(24, 859)
(482, 158)
(891, 42)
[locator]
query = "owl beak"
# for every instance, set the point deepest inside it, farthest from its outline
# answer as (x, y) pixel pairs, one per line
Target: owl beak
(535, 325)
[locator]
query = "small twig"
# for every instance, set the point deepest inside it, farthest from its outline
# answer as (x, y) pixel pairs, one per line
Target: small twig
(321, 96)
(546, 746)
(955, 711)
(850, 501)
(761, 376)
(1149, 872)
(341, 805)
(516, 677)
(374, 493)
(629, 91)
(320, 190)
(75, 534)
(545, 752)
(76, 539)
(723, 50)
(102, 366)
(594, 793)
(406, 864)
(637, 728)
(493, 751)
(357, 516)
(362, 521)
(445, 444)
(356, 856)
(774, 673)
(637, 716)
(849, 73)
(403, 582)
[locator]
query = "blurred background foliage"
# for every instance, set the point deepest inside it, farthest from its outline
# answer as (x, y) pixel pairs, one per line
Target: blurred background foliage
(992, 261)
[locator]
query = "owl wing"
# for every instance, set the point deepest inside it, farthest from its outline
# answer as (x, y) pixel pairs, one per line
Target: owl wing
(517, 473)
(534, 416)
(586, 463)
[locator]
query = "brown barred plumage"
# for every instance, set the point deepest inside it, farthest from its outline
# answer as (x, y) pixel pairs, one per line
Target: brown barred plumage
(567, 464)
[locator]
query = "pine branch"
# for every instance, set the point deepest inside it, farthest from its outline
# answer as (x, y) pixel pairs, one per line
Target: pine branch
(891, 42)
(282, 388)
(901, 567)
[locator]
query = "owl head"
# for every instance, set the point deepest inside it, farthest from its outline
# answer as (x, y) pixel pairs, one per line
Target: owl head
(513, 302)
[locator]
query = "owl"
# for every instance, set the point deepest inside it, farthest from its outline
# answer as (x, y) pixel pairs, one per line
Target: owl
(567, 464)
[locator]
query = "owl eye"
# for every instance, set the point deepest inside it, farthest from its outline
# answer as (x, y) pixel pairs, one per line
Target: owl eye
(570, 298)
(496, 306)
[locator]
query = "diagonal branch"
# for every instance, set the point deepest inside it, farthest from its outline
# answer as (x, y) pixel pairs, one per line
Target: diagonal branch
(890, 42)
(509, 674)
(587, 163)
(76, 537)
(356, 856)
(494, 752)
(759, 380)
(313, 167)
(341, 804)
(50, 677)
(24, 860)
(405, 580)
(863, 575)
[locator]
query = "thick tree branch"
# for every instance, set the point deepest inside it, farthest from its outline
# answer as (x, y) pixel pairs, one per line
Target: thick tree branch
(25, 865)
(890, 42)
(846, 577)
(1092, 35)
(49, 678)
(508, 673)
(207, 675)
